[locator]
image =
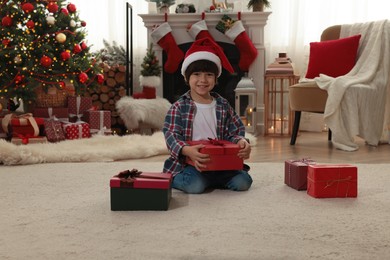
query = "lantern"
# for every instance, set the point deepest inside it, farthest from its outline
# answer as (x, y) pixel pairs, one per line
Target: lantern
(245, 104)
(277, 113)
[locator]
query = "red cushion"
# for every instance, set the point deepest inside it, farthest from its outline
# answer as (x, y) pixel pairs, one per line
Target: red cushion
(333, 58)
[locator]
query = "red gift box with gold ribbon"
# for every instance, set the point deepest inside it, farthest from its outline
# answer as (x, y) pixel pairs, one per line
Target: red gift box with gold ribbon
(223, 155)
(332, 181)
(23, 125)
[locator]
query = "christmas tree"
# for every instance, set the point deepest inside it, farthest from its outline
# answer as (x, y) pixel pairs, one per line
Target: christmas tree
(43, 44)
(150, 66)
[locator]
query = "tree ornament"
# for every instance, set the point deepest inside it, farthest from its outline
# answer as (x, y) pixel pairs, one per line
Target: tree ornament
(1, 107)
(100, 78)
(83, 46)
(50, 20)
(30, 24)
(65, 55)
(27, 8)
(46, 61)
(71, 8)
(83, 77)
(64, 11)
(18, 59)
(52, 7)
(61, 37)
(72, 23)
(5, 42)
(83, 23)
(19, 79)
(6, 21)
(76, 48)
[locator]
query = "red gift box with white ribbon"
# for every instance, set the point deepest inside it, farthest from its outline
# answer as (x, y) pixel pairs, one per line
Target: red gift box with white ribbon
(77, 106)
(332, 181)
(76, 130)
(223, 155)
(99, 121)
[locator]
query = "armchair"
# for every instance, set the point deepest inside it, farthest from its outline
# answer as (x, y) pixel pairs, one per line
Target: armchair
(307, 96)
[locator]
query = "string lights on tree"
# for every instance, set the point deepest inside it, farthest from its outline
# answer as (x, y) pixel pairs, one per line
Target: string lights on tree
(42, 43)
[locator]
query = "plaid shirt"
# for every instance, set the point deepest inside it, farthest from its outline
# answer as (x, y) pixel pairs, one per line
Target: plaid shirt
(178, 127)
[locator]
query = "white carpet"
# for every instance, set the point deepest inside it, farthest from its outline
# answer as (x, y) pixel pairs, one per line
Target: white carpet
(62, 211)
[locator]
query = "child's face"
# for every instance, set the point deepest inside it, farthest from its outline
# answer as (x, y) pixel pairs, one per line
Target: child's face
(201, 83)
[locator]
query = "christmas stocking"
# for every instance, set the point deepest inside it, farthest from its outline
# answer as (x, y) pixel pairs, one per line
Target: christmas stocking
(199, 31)
(235, 31)
(163, 36)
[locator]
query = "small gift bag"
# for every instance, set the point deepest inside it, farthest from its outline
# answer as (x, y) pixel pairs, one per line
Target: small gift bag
(54, 131)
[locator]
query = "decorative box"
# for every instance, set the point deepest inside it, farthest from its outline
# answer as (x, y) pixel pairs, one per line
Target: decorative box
(54, 131)
(76, 130)
(134, 190)
(295, 173)
(77, 106)
(99, 121)
(28, 140)
(332, 181)
(22, 125)
(223, 155)
(60, 113)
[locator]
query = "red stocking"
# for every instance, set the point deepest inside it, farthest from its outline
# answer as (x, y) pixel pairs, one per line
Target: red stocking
(248, 52)
(163, 36)
(199, 31)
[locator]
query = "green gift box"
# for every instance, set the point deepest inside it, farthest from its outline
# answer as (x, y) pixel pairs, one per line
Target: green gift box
(145, 191)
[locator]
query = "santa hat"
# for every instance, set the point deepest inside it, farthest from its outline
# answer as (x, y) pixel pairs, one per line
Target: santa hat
(205, 49)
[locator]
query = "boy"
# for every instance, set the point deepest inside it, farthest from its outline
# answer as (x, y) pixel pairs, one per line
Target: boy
(200, 114)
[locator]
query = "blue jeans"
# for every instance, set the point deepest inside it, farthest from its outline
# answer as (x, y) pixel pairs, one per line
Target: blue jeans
(190, 180)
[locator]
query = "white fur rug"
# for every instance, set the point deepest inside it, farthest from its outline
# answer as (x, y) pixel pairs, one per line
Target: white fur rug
(98, 148)
(138, 112)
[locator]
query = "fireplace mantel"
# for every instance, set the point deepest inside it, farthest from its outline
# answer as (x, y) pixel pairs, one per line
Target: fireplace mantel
(254, 23)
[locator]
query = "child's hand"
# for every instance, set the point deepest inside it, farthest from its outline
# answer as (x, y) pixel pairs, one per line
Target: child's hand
(245, 150)
(197, 157)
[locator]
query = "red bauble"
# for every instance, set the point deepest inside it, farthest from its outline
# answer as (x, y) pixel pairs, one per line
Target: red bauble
(27, 8)
(212, 8)
(83, 23)
(6, 21)
(71, 8)
(84, 45)
(65, 55)
(19, 79)
(83, 77)
(64, 11)
(46, 61)
(62, 84)
(5, 42)
(77, 48)
(52, 7)
(30, 24)
(100, 78)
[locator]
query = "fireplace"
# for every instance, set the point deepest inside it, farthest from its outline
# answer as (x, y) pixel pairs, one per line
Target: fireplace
(172, 85)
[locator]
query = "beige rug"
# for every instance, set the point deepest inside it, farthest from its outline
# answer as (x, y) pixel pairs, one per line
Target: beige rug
(62, 211)
(99, 148)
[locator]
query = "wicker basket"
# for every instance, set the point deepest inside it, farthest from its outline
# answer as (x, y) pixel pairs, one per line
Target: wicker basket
(53, 97)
